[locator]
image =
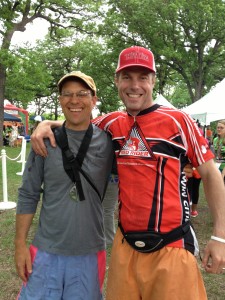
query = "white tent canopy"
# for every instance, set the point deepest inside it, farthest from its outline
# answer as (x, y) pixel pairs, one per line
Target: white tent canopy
(210, 107)
(162, 101)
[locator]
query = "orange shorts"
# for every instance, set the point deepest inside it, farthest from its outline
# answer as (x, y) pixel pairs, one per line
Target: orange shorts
(170, 273)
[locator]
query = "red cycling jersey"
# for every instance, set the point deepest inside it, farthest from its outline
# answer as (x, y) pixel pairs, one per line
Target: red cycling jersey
(152, 149)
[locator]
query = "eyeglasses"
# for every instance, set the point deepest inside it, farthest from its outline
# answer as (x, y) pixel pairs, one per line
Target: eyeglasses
(79, 95)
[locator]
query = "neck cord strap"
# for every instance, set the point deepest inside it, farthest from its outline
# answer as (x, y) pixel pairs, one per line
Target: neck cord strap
(72, 165)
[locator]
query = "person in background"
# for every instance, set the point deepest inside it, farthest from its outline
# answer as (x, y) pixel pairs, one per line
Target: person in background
(219, 147)
(6, 134)
(67, 256)
(37, 122)
(193, 186)
(153, 250)
(209, 135)
(21, 129)
(13, 135)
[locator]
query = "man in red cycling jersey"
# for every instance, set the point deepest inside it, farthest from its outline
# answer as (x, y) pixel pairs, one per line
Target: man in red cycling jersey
(153, 254)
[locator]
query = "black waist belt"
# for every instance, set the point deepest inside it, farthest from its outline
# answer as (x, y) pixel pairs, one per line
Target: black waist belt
(150, 241)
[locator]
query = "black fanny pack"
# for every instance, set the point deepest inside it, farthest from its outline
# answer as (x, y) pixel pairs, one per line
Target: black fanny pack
(150, 241)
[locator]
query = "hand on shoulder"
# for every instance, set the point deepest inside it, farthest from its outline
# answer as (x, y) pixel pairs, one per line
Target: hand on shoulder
(43, 131)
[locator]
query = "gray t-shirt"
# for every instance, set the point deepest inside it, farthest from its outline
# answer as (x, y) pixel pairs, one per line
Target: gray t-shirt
(65, 226)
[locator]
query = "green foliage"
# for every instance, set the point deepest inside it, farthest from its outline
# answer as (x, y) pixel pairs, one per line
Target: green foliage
(28, 78)
(85, 55)
(100, 63)
(179, 97)
(14, 16)
(187, 37)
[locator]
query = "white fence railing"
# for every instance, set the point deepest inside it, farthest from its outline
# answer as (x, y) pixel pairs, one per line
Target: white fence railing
(5, 204)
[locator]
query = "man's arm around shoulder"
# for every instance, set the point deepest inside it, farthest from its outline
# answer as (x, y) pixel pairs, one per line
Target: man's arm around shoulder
(42, 131)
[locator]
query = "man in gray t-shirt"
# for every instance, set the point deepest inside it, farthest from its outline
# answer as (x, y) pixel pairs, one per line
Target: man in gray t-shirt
(66, 259)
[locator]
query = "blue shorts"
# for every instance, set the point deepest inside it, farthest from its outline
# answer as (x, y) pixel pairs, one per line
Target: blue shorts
(59, 277)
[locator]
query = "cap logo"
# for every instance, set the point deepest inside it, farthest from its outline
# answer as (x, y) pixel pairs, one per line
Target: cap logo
(136, 55)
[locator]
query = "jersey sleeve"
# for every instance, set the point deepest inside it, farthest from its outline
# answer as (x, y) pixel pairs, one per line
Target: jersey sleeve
(106, 120)
(198, 150)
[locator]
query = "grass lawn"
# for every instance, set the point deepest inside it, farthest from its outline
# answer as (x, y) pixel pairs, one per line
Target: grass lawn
(9, 281)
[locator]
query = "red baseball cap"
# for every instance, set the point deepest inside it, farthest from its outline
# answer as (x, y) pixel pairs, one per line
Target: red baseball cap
(136, 56)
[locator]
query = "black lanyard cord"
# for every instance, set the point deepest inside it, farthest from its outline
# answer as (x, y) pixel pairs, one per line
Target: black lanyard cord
(72, 165)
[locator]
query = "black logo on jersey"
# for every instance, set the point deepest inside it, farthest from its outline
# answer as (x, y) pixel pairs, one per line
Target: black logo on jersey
(136, 145)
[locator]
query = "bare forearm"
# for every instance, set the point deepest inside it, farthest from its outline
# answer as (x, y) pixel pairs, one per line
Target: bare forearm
(22, 254)
(23, 223)
(216, 202)
(51, 123)
(214, 254)
(215, 195)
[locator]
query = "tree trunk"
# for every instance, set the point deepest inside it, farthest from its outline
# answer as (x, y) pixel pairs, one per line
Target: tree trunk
(4, 50)
(2, 93)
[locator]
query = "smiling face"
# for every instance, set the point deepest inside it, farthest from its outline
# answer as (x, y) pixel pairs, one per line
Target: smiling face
(221, 129)
(77, 109)
(135, 86)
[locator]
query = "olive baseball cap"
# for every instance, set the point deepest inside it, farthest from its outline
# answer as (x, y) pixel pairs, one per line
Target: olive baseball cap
(87, 79)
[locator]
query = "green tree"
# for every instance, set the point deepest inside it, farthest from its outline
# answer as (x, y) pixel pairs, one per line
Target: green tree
(15, 15)
(40, 69)
(28, 78)
(187, 38)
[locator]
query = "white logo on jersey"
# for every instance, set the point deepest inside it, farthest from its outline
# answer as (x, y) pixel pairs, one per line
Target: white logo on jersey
(135, 146)
(204, 150)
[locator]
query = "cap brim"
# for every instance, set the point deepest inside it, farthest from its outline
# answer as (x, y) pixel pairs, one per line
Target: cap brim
(74, 76)
(134, 65)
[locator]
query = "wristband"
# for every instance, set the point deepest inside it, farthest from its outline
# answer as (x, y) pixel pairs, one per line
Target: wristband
(215, 238)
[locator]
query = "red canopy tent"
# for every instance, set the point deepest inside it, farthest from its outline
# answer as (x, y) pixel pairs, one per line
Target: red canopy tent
(18, 112)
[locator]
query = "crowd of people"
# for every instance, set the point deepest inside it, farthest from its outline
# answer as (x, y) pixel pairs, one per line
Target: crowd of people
(155, 247)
